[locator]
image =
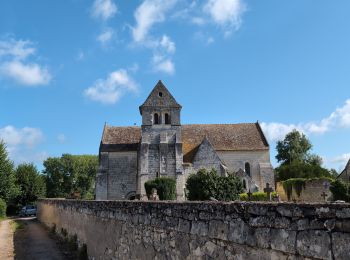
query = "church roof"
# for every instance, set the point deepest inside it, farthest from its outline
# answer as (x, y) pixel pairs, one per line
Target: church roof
(346, 169)
(223, 137)
(160, 97)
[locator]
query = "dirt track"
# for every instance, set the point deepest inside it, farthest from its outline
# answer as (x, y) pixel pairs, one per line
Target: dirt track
(6, 240)
(30, 241)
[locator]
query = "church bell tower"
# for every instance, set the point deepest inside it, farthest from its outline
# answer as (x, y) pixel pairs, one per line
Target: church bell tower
(160, 152)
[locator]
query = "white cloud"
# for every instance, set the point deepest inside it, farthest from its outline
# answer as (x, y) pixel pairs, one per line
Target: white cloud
(147, 14)
(226, 13)
(161, 64)
(61, 138)
(14, 64)
(21, 143)
(31, 74)
(105, 36)
(340, 118)
(104, 9)
(80, 56)
(109, 90)
(167, 44)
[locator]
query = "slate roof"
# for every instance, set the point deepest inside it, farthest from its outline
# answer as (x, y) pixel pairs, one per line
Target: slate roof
(160, 97)
(346, 169)
(223, 137)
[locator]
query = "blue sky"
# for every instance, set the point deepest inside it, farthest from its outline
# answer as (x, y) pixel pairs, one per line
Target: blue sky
(67, 67)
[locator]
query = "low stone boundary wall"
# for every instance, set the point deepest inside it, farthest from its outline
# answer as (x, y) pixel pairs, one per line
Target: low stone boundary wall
(202, 230)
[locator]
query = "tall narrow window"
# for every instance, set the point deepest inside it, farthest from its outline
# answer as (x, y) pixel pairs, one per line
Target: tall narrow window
(156, 119)
(244, 184)
(167, 119)
(247, 168)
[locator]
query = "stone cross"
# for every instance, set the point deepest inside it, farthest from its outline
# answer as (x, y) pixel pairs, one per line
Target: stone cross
(249, 195)
(324, 195)
(268, 190)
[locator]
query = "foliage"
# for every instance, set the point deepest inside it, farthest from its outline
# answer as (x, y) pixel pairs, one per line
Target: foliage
(31, 184)
(294, 147)
(205, 185)
(8, 187)
(256, 196)
(70, 173)
(2, 208)
(166, 188)
(340, 190)
(299, 169)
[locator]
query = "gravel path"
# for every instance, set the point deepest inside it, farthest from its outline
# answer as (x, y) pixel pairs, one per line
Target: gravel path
(6, 240)
(33, 242)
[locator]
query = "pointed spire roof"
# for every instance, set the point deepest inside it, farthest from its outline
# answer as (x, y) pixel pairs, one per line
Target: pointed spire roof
(160, 97)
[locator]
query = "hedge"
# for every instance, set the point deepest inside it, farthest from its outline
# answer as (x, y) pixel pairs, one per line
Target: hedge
(165, 186)
(2, 208)
(256, 196)
(207, 185)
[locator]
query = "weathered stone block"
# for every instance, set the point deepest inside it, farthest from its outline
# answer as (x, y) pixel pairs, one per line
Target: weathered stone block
(262, 237)
(340, 245)
(314, 243)
(283, 240)
(218, 229)
(199, 228)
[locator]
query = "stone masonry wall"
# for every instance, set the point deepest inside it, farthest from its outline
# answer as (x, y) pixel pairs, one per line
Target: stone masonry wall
(202, 230)
(311, 192)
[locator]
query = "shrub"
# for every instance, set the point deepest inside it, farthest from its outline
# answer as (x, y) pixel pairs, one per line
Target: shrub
(340, 190)
(166, 188)
(2, 208)
(205, 185)
(256, 196)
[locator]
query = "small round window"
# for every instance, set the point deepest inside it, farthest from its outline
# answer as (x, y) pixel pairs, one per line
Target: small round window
(160, 94)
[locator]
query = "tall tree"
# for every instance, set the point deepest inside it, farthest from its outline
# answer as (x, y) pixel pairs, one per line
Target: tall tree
(294, 147)
(8, 187)
(69, 174)
(30, 182)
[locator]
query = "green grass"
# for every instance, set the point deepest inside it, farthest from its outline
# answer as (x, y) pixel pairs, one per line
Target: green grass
(16, 225)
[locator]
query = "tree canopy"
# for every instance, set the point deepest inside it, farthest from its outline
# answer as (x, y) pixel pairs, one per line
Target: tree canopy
(70, 174)
(8, 188)
(31, 184)
(296, 159)
(294, 147)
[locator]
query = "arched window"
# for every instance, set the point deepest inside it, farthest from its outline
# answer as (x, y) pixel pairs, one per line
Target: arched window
(247, 168)
(167, 119)
(156, 119)
(244, 184)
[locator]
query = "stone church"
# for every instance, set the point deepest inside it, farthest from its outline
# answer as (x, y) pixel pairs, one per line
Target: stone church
(162, 146)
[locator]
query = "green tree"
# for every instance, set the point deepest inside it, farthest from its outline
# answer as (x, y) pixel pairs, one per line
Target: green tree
(8, 187)
(340, 190)
(294, 147)
(31, 184)
(70, 173)
(205, 185)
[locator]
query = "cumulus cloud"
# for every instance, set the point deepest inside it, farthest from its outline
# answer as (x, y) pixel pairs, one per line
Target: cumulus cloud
(340, 118)
(226, 13)
(104, 9)
(30, 74)
(109, 90)
(147, 14)
(14, 64)
(162, 64)
(21, 143)
(105, 36)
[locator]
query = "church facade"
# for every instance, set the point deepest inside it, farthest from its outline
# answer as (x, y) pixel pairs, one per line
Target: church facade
(162, 146)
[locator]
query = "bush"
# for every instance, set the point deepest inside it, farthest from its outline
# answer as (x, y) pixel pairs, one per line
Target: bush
(301, 170)
(2, 208)
(205, 185)
(340, 190)
(166, 188)
(256, 196)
